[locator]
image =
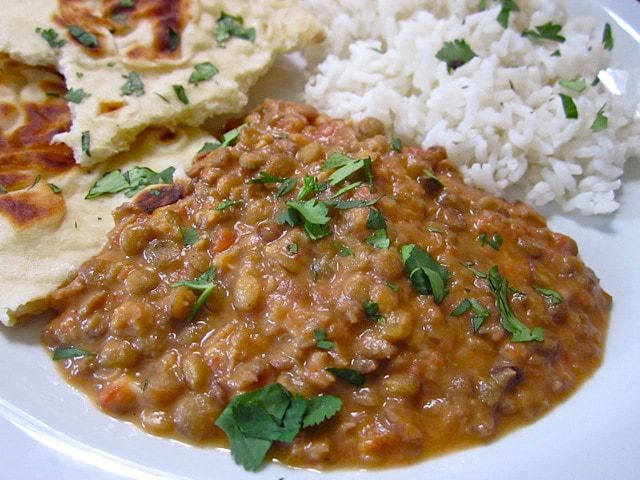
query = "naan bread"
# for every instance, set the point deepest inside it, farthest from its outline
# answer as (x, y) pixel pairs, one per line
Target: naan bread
(161, 43)
(46, 233)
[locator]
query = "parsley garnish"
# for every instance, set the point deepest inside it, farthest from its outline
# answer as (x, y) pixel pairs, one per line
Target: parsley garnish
(133, 85)
(481, 313)
(76, 96)
(310, 185)
(375, 220)
(348, 204)
(344, 167)
(85, 38)
(455, 54)
(229, 139)
(471, 267)
(201, 72)
(607, 37)
(346, 188)
(396, 145)
(204, 283)
(129, 182)
(190, 235)
(264, 177)
(54, 188)
(232, 26)
(321, 340)
(65, 353)
(352, 376)
(254, 420)
(181, 94)
(227, 202)
(547, 31)
(372, 311)
(553, 295)
(426, 275)
(85, 141)
(494, 242)
(312, 211)
(379, 239)
(569, 106)
(519, 331)
(508, 6)
(174, 39)
(577, 85)
(286, 184)
(51, 37)
(601, 122)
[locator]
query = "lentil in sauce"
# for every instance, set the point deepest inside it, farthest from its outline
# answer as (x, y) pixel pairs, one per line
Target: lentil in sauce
(285, 307)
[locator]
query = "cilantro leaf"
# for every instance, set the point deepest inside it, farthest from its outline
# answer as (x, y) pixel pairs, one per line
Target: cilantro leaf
(310, 185)
(181, 94)
(204, 283)
(462, 308)
(289, 216)
(375, 220)
(494, 242)
(393, 286)
(321, 408)
(455, 54)
(372, 312)
(248, 452)
(133, 85)
(321, 340)
(190, 235)
(601, 122)
(348, 375)
(76, 96)
(577, 85)
(553, 295)
(316, 231)
(266, 178)
(471, 267)
(312, 211)
(569, 106)
(343, 250)
(111, 182)
(202, 72)
(173, 39)
(227, 203)
(481, 313)
(548, 31)
(292, 248)
(65, 353)
(426, 275)
(508, 6)
(51, 37)
(379, 239)
(85, 142)
(346, 188)
(54, 188)
(232, 26)
(344, 167)
(607, 37)
(396, 145)
(348, 204)
(229, 139)
(85, 38)
(519, 331)
(286, 186)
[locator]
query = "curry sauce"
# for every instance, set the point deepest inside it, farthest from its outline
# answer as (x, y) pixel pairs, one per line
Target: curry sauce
(335, 261)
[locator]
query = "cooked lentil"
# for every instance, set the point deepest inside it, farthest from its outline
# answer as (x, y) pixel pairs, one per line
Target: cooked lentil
(431, 383)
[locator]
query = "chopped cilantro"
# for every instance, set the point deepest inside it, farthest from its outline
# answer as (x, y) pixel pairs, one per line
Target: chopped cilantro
(569, 106)
(455, 54)
(346, 188)
(577, 85)
(471, 267)
(264, 177)
(548, 31)
(379, 239)
(375, 220)
(393, 286)
(190, 235)
(286, 186)
(174, 39)
(372, 312)
(344, 167)
(292, 248)
(129, 182)
(36, 180)
(310, 185)
(3, 190)
(288, 216)
(181, 94)
(127, 3)
(429, 174)
(607, 37)
(65, 353)
(434, 229)
(312, 211)
(204, 283)
(321, 340)
(54, 188)
(553, 295)
(396, 145)
(424, 272)
(133, 85)
(601, 122)
(227, 203)
(556, 53)
(348, 204)
(352, 376)
(494, 242)
(85, 38)
(343, 250)
(76, 96)
(229, 139)
(254, 420)
(232, 26)
(481, 313)
(51, 37)
(202, 72)
(86, 143)
(519, 331)
(508, 6)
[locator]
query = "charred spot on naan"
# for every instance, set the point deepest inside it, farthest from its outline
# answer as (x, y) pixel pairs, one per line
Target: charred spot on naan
(114, 18)
(35, 206)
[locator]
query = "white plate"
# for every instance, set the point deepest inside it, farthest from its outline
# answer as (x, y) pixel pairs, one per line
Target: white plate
(47, 429)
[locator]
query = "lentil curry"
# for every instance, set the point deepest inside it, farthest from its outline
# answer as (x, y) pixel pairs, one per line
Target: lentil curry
(409, 313)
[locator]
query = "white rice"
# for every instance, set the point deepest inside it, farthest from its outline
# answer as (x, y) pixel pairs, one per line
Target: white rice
(500, 116)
